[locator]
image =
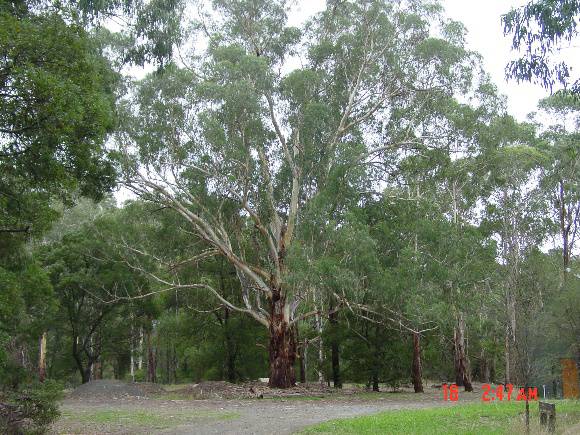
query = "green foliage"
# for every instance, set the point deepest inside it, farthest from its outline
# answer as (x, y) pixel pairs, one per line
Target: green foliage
(57, 109)
(539, 27)
(37, 402)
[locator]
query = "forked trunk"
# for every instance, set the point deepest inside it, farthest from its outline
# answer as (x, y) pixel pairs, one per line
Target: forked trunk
(417, 372)
(282, 345)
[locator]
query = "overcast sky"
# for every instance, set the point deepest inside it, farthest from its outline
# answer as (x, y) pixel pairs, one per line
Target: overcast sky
(485, 35)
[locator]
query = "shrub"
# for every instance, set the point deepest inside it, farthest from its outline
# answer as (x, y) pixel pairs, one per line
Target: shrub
(30, 410)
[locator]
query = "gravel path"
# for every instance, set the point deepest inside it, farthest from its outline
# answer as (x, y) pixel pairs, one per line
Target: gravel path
(255, 416)
(289, 416)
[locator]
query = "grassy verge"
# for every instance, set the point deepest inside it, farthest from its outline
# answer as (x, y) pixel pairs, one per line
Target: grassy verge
(480, 418)
(134, 419)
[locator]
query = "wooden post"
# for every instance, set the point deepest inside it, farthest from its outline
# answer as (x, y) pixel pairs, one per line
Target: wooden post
(548, 416)
(527, 413)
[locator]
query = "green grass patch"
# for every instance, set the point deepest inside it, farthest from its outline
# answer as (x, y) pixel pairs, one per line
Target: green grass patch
(139, 418)
(479, 418)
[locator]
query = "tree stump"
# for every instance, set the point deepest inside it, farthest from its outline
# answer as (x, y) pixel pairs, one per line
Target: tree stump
(548, 416)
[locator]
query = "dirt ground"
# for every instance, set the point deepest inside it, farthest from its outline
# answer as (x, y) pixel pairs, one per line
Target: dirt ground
(141, 409)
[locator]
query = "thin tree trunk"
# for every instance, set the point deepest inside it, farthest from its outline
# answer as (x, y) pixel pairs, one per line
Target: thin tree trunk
(507, 356)
(230, 348)
(174, 364)
(492, 369)
(318, 322)
(42, 358)
(306, 362)
(485, 367)
(301, 355)
(462, 375)
(303, 363)
(375, 379)
(132, 365)
(417, 372)
(140, 360)
(151, 360)
(282, 348)
(85, 372)
(564, 228)
(335, 351)
(320, 361)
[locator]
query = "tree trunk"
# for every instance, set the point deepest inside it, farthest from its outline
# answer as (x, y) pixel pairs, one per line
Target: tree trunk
(85, 372)
(485, 367)
(564, 228)
(417, 372)
(140, 360)
(301, 355)
(375, 380)
(42, 358)
(132, 363)
(318, 322)
(97, 370)
(303, 352)
(492, 370)
(335, 351)
(282, 347)
(86, 375)
(507, 357)
(230, 348)
(174, 365)
(462, 376)
(151, 360)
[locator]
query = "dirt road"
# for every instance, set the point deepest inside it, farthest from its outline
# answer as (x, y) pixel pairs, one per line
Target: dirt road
(253, 416)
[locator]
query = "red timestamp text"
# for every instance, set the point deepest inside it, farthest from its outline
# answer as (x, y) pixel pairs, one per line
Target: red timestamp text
(490, 394)
(450, 392)
(508, 393)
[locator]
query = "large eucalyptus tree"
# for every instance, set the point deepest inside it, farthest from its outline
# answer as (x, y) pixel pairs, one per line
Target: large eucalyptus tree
(257, 119)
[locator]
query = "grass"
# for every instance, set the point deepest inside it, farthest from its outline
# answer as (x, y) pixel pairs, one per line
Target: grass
(137, 418)
(479, 418)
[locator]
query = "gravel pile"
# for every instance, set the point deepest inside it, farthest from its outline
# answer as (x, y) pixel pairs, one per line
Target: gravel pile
(250, 390)
(110, 389)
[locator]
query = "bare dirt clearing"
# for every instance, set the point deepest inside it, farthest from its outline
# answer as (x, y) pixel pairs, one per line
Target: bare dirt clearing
(137, 409)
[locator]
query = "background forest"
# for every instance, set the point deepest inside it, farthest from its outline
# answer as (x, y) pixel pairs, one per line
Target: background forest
(348, 201)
